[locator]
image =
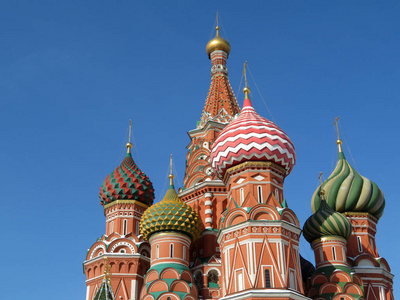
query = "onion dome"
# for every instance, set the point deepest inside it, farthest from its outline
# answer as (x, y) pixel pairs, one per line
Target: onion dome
(347, 191)
(326, 222)
(251, 137)
(170, 214)
(127, 182)
(218, 43)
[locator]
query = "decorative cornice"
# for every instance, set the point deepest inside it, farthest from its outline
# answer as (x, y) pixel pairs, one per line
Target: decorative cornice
(253, 164)
(266, 294)
(125, 202)
(364, 215)
(205, 185)
(327, 239)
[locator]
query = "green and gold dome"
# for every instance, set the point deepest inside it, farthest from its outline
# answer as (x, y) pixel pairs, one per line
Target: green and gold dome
(326, 222)
(170, 214)
(347, 191)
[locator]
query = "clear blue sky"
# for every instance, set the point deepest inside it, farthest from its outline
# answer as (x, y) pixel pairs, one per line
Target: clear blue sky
(72, 73)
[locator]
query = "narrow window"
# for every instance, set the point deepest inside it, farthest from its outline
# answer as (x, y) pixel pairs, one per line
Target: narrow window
(171, 251)
(277, 194)
(157, 251)
(333, 253)
(241, 195)
(137, 227)
(259, 189)
(240, 281)
(359, 244)
(125, 226)
(291, 280)
(267, 279)
(112, 227)
(184, 252)
(168, 298)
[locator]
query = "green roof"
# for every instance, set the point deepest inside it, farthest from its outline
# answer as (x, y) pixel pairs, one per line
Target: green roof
(105, 292)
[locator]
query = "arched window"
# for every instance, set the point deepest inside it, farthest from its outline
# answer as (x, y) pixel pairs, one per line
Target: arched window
(137, 227)
(333, 253)
(213, 280)
(267, 279)
(259, 190)
(198, 279)
(168, 298)
(184, 252)
(112, 227)
(125, 226)
(157, 251)
(241, 196)
(171, 250)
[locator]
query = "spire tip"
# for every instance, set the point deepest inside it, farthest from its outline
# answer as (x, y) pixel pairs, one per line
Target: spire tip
(129, 144)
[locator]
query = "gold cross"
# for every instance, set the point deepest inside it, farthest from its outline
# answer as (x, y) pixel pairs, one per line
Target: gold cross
(244, 72)
(337, 126)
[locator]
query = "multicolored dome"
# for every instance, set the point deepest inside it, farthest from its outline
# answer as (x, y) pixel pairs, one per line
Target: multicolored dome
(218, 43)
(347, 191)
(251, 137)
(326, 222)
(170, 214)
(127, 182)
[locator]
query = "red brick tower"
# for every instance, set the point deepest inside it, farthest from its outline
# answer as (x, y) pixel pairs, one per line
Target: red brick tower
(125, 194)
(259, 235)
(328, 231)
(202, 189)
(170, 225)
(363, 203)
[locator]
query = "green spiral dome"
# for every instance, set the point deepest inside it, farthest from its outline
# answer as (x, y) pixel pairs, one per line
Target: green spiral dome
(170, 214)
(348, 191)
(326, 222)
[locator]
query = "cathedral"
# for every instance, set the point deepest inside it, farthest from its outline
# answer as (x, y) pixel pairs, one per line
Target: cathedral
(228, 233)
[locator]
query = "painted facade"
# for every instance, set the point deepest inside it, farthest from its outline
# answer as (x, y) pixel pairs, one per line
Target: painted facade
(228, 233)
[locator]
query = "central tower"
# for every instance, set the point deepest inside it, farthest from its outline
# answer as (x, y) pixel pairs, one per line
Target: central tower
(202, 190)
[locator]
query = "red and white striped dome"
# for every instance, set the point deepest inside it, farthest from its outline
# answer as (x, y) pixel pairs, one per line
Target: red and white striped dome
(251, 137)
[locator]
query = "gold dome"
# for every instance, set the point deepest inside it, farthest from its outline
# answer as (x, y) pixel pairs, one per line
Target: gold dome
(218, 43)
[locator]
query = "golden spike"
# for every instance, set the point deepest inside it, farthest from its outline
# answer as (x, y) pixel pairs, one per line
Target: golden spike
(322, 192)
(338, 141)
(129, 144)
(246, 89)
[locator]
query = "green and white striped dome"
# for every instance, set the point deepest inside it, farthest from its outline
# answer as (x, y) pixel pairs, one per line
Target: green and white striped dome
(348, 191)
(326, 222)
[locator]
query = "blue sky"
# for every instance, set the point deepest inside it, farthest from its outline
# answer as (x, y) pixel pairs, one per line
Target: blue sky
(72, 74)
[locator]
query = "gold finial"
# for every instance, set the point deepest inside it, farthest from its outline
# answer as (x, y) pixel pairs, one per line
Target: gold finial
(246, 89)
(218, 43)
(321, 192)
(171, 176)
(129, 144)
(338, 141)
(107, 270)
